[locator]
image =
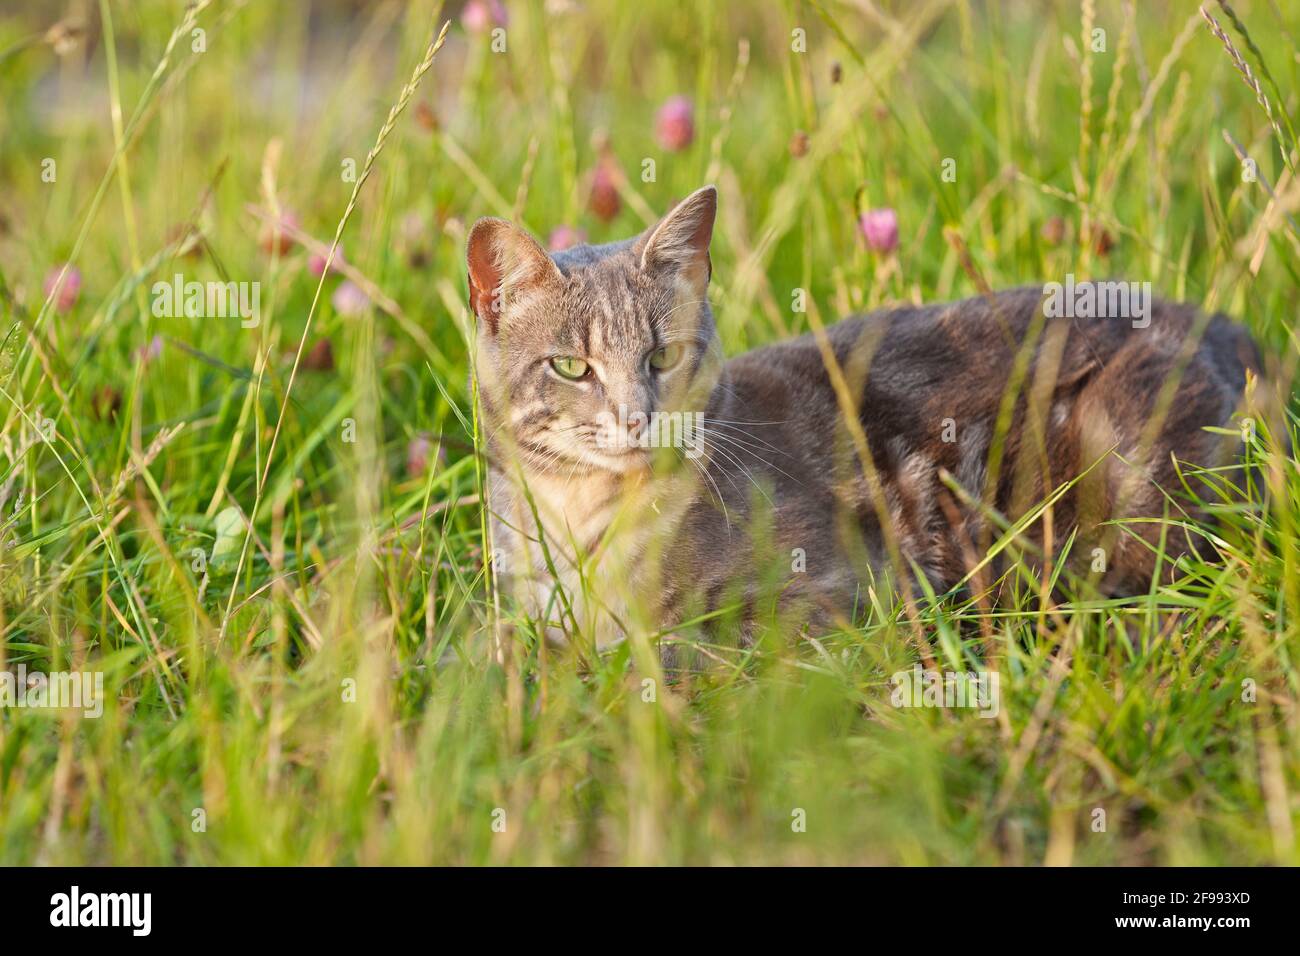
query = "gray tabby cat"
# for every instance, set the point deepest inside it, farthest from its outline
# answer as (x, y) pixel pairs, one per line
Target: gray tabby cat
(804, 472)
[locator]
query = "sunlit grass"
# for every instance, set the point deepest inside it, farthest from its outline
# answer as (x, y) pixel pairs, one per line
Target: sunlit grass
(330, 687)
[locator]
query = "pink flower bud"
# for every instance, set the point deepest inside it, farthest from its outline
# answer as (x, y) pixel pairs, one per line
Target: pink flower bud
(316, 262)
(349, 300)
(147, 353)
(604, 201)
(675, 124)
(69, 288)
(565, 237)
(880, 229)
(274, 237)
(479, 16)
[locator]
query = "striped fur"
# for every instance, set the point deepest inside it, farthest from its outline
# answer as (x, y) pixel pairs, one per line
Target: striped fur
(780, 511)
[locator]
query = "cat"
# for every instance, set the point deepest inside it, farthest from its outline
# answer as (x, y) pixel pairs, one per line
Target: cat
(768, 495)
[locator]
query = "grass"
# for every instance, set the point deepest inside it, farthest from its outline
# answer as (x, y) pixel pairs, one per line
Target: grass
(321, 685)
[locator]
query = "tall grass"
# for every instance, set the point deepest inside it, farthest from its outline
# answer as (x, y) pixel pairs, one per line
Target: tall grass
(269, 539)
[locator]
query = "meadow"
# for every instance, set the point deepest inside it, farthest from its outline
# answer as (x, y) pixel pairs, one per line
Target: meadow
(261, 522)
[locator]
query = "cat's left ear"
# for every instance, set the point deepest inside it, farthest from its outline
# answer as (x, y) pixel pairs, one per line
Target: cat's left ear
(681, 240)
(504, 263)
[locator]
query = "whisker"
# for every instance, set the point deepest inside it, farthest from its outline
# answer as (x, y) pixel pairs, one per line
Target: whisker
(733, 459)
(716, 492)
(739, 421)
(736, 443)
(735, 432)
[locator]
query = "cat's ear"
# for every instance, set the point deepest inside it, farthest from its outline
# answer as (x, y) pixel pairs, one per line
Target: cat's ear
(504, 263)
(681, 240)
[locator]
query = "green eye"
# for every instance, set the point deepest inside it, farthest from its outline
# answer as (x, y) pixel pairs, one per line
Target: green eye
(568, 367)
(666, 357)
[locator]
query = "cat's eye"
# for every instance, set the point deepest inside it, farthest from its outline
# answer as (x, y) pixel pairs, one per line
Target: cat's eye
(568, 367)
(666, 357)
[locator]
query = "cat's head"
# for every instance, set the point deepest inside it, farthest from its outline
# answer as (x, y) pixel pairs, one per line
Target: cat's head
(577, 351)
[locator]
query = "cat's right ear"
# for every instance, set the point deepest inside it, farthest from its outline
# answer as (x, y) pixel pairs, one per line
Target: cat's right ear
(681, 239)
(504, 263)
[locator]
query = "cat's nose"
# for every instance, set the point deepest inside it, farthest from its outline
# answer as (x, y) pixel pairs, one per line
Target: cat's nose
(637, 423)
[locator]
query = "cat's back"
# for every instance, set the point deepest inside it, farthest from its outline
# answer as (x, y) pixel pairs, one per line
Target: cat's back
(906, 371)
(927, 386)
(911, 349)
